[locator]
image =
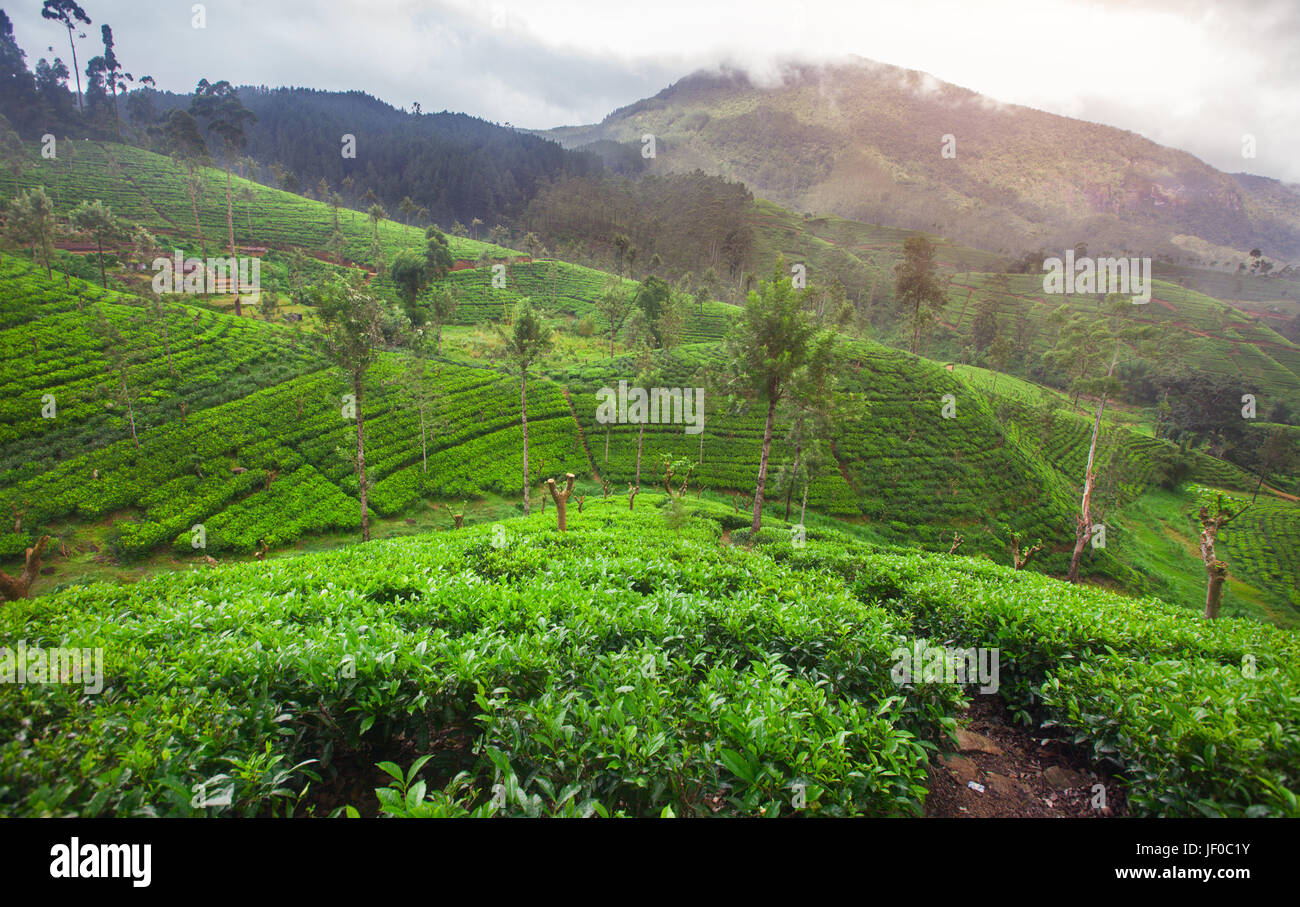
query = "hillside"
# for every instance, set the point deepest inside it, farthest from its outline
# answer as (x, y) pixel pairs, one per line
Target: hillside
(862, 140)
(287, 420)
(1215, 337)
(627, 668)
(241, 431)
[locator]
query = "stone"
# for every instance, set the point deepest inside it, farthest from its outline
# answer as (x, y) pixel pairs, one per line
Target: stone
(1003, 786)
(1062, 778)
(971, 742)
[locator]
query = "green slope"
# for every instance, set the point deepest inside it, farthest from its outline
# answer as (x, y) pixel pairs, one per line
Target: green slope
(248, 394)
(624, 668)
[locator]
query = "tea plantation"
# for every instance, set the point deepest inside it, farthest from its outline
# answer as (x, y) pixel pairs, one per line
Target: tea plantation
(624, 668)
(653, 660)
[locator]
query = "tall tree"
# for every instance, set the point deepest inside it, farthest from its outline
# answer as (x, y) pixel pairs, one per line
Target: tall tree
(351, 337)
(58, 107)
(419, 390)
(407, 207)
(437, 254)
(652, 297)
(30, 220)
(335, 202)
(97, 219)
(120, 355)
(108, 70)
(1104, 387)
(185, 144)
(768, 347)
(1216, 571)
(24, 98)
(1277, 452)
(218, 105)
(810, 410)
(984, 326)
(1082, 346)
(917, 286)
(443, 302)
(528, 341)
(410, 272)
(376, 213)
(616, 305)
(68, 13)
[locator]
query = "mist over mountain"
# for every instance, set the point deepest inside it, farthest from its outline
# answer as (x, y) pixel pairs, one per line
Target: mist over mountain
(866, 140)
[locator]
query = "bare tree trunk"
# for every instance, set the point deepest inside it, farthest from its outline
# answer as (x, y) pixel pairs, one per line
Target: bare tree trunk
(424, 454)
(194, 206)
(762, 466)
(75, 71)
(794, 470)
(130, 413)
(1020, 559)
(1083, 522)
(230, 226)
(167, 344)
(562, 499)
(13, 588)
(361, 461)
(523, 410)
(1216, 571)
(639, 436)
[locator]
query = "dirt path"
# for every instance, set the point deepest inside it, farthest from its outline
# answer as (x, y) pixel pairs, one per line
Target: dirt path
(1018, 773)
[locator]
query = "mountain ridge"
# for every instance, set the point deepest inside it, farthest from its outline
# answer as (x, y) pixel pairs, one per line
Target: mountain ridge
(868, 136)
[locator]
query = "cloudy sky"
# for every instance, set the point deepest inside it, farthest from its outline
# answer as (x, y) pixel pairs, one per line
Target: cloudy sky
(1193, 74)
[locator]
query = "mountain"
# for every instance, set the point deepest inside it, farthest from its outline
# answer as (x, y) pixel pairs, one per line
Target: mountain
(863, 140)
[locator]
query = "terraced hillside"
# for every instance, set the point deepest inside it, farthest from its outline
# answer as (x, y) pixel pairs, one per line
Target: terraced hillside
(292, 426)
(1216, 338)
(240, 428)
(149, 189)
(1147, 495)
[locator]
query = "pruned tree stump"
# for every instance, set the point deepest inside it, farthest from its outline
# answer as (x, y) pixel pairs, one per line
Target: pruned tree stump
(561, 499)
